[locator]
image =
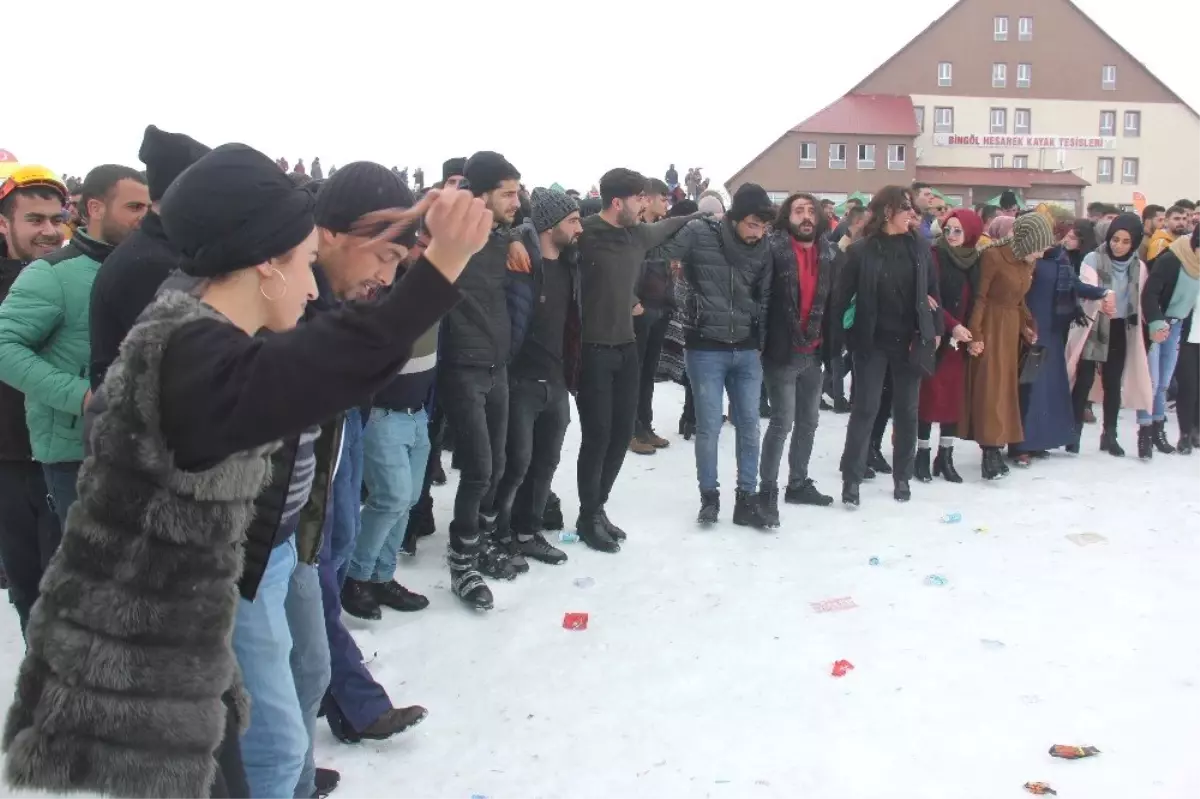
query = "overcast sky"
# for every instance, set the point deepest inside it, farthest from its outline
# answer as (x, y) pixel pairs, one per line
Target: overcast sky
(564, 90)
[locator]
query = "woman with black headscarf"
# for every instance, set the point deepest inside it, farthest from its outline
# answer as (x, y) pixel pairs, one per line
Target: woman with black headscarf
(130, 645)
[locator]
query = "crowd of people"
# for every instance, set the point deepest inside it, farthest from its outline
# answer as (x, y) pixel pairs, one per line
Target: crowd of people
(224, 399)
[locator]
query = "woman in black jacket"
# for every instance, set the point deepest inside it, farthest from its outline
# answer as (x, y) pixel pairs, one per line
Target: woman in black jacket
(130, 643)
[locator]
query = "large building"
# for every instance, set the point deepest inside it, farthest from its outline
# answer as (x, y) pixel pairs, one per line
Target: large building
(1029, 95)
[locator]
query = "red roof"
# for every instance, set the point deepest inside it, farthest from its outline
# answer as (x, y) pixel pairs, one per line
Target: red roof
(1009, 178)
(865, 114)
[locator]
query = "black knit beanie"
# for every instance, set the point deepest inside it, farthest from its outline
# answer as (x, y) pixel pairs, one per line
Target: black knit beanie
(751, 199)
(453, 167)
(234, 209)
(165, 156)
(486, 170)
(360, 188)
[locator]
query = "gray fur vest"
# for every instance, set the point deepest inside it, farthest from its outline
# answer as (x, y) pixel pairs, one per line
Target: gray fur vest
(129, 645)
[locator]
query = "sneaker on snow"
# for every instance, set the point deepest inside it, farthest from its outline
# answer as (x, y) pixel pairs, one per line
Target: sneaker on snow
(541, 550)
(806, 494)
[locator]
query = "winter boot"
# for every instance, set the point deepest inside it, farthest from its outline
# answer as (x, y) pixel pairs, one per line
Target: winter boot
(326, 781)
(538, 548)
(1108, 443)
(768, 499)
(552, 517)
(395, 596)
(656, 441)
(1145, 442)
(466, 582)
(394, 721)
(991, 464)
(806, 494)
(921, 465)
(641, 446)
(358, 599)
(876, 461)
(901, 490)
(747, 511)
(850, 496)
(687, 428)
(1073, 447)
(592, 532)
(943, 465)
(512, 551)
(614, 532)
(1185, 446)
(1160, 439)
(710, 507)
(841, 405)
(495, 563)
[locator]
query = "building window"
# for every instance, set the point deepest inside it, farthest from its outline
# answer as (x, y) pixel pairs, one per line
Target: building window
(1108, 123)
(1000, 29)
(919, 110)
(1104, 169)
(997, 161)
(999, 76)
(1025, 29)
(1024, 75)
(944, 73)
(1133, 123)
(837, 156)
(1020, 162)
(943, 120)
(808, 155)
(1022, 120)
(896, 155)
(1129, 171)
(1108, 77)
(777, 197)
(999, 121)
(866, 156)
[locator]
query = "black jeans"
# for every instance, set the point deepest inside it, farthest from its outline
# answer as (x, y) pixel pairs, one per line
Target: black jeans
(871, 372)
(29, 532)
(651, 330)
(608, 396)
(836, 370)
(538, 415)
(476, 403)
(1112, 371)
(230, 780)
(1187, 374)
(60, 482)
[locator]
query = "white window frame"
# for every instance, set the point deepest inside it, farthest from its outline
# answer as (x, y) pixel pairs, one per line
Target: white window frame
(998, 127)
(1024, 76)
(919, 111)
(938, 125)
(999, 75)
(1134, 130)
(1000, 29)
(1025, 29)
(808, 163)
(1018, 128)
(1111, 130)
(1101, 175)
(863, 162)
(837, 163)
(1129, 177)
(778, 197)
(996, 160)
(1108, 77)
(1020, 162)
(945, 73)
(897, 153)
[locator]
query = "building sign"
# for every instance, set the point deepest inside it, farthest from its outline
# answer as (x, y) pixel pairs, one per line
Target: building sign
(1025, 142)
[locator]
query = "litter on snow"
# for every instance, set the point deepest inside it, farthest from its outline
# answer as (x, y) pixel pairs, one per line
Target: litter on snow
(568, 537)
(575, 621)
(952, 518)
(841, 668)
(873, 561)
(583, 582)
(833, 605)
(936, 579)
(1040, 789)
(1073, 752)
(1086, 539)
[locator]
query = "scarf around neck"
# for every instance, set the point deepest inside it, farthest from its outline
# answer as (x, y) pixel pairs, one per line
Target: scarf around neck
(962, 257)
(1189, 258)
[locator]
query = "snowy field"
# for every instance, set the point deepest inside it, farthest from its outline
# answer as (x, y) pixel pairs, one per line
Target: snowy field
(705, 670)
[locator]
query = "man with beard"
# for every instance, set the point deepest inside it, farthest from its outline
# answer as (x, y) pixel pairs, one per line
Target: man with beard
(45, 344)
(727, 265)
(540, 301)
(473, 382)
(654, 293)
(923, 197)
(1176, 225)
(803, 271)
(612, 247)
(31, 211)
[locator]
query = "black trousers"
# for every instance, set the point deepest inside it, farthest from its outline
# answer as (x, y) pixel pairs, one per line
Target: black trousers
(1187, 373)
(608, 396)
(871, 370)
(29, 532)
(538, 415)
(476, 403)
(836, 369)
(651, 330)
(885, 412)
(1112, 371)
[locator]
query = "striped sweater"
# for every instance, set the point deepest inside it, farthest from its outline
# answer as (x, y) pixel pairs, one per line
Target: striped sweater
(411, 386)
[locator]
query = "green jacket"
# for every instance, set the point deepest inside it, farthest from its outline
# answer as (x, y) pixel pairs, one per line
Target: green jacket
(45, 346)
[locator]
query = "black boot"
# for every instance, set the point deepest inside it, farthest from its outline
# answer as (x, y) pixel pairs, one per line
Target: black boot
(326, 781)
(614, 532)
(538, 548)
(1160, 439)
(358, 599)
(466, 582)
(494, 561)
(840, 405)
(921, 466)
(394, 721)
(710, 507)
(593, 533)
(943, 465)
(512, 551)
(768, 499)
(1145, 442)
(552, 517)
(807, 494)
(687, 428)
(1108, 443)
(1185, 446)
(876, 461)
(747, 511)
(1073, 447)
(850, 496)
(901, 490)
(395, 596)
(991, 463)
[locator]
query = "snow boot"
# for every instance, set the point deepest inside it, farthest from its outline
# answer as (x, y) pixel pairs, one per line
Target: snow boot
(494, 561)
(656, 441)
(1108, 443)
(538, 548)
(1073, 447)
(747, 510)
(877, 462)
(552, 517)
(592, 532)
(1145, 442)
(1184, 447)
(358, 599)
(710, 507)
(806, 494)
(642, 446)
(943, 465)
(395, 596)
(901, 490)
(614, 532)
(512, 551)
(921, 469)
(326, 781)
(687, 428)
(466, 582)
(768, 499)
(992, 463)
(841, 405)
(394, 721)
(850, 495)
(1160, 439)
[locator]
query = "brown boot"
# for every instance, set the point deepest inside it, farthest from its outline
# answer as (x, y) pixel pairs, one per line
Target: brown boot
(641, 446)
(655, 440)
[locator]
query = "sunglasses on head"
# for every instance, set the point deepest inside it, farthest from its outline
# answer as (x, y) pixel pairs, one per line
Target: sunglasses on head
(28, 177)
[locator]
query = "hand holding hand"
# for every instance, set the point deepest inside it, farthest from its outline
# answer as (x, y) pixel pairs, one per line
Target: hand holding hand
(975, 349)
(961, 334)
(1030, 335)
(1159, 336)
(1108, 305)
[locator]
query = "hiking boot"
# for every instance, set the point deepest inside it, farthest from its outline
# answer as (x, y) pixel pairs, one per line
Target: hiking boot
(326, 781)
(358, 599)
(1108, 443)
(869, 473)
(841, 405)
(656, 441)
(394, 721)
(1184, 447)
(466, 582)
(768, 500)
(850, 494)
(1160, 439)
(921, 467)
(552, 517)
(615, 532)
(640, 446)
(943, 465)
(901, 490)
(710, 507)
(541, 550)
(1145, 442)
(591, 531)
(806, 494)
(747, 512)
(876, 461)
(395, 596)
(512, 550)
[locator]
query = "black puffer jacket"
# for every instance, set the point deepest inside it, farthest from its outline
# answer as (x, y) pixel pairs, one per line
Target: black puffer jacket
(477, 331)
(730, 282)
(784, 332)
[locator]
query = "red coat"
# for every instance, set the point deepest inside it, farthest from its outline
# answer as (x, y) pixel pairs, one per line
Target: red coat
(942, 393)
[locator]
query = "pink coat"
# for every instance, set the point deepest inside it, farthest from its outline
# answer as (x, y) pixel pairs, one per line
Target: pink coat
(1137, 392)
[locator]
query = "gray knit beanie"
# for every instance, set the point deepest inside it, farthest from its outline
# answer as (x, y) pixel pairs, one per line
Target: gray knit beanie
(550, 207)
(1031, 233)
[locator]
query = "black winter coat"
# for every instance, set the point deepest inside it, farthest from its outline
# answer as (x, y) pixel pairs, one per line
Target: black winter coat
(784, 332)
(14, 433)
(478, 331)
(524, 289)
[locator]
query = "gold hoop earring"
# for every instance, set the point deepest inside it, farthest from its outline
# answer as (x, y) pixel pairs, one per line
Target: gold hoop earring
(269, 298)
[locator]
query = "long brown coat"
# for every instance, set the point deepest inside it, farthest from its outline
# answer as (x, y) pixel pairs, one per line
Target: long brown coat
(991, 408)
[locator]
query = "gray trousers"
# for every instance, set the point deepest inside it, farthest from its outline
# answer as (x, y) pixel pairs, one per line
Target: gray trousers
(795, 393)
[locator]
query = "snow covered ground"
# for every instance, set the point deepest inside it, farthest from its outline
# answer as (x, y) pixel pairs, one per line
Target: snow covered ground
(705, 670)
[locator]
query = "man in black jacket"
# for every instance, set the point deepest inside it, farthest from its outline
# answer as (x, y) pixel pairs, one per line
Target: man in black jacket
(727, 264)
(655, 298)
(473, 382)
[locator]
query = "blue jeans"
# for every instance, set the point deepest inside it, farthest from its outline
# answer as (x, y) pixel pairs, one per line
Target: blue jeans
(309, 659)
(347, 496)
(1163, 356)
(712, 373)
(395, 454)
(60, 483)
(275, 744)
